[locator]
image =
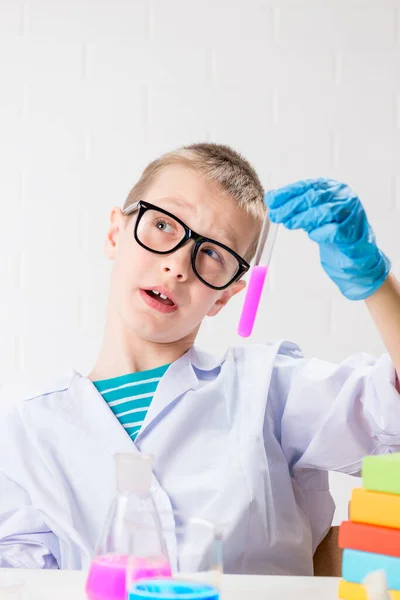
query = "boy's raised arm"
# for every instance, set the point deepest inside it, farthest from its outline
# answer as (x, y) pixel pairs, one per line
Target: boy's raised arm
(384, 306)
(333, 216)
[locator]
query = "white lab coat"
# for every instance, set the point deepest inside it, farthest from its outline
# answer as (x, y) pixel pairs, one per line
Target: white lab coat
(245, 441)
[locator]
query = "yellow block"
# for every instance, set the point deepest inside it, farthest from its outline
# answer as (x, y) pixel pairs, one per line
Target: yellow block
(375, 508)
(356, 591)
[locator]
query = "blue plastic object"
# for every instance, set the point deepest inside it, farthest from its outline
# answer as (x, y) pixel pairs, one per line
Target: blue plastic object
(333, 216)
(171, 589)
(356, 565)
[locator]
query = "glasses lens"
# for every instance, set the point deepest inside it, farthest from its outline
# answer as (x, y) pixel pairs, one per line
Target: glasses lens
(159, 232)
(216, 265)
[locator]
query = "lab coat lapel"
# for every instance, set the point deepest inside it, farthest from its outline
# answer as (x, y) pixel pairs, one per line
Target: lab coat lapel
(178, 379)
(99, 422)
(95, 416)
(90, 411)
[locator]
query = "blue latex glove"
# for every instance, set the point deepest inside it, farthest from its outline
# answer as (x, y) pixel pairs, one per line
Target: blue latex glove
(332, 215)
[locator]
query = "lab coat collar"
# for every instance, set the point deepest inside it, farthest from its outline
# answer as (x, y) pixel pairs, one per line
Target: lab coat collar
(181, 376)
(203, 361)
(178, 379)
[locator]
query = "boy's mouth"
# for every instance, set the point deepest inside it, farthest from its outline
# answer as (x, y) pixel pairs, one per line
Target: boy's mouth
(157, 300)
(160, 297)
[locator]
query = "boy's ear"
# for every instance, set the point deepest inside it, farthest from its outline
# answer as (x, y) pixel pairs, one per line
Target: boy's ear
(117, 222)
(226, 295)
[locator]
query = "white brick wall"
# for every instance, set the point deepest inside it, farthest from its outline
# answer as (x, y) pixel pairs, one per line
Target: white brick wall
(90, 90)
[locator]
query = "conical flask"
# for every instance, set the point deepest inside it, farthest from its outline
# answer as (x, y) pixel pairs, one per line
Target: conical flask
(107, 579)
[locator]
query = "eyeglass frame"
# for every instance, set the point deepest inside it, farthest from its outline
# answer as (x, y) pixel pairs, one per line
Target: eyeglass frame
(143, 206)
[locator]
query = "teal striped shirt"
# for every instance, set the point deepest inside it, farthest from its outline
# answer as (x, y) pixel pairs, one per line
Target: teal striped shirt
(130, 396)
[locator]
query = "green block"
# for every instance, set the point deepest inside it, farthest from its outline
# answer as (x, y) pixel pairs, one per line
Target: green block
(382, 473)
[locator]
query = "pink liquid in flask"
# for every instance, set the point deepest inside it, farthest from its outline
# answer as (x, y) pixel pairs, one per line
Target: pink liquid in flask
(108, 573)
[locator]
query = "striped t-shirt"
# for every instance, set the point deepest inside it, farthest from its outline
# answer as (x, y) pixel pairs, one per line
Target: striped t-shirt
(130, 396)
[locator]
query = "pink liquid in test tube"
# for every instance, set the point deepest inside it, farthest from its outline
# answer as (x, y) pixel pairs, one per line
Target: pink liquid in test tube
(258, 274)
(252, 300)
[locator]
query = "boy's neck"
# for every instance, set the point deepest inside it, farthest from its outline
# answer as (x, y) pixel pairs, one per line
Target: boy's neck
(123, 353)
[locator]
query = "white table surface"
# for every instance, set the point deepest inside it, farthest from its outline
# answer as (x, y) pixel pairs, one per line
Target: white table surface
(69, 585)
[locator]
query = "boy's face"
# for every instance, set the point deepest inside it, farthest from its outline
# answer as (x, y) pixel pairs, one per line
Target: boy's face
(202, 206)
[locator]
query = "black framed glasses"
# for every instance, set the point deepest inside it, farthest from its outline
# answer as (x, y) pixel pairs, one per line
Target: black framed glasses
(161, 232)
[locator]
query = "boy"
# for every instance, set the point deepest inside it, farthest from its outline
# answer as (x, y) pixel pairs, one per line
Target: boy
(245, 440)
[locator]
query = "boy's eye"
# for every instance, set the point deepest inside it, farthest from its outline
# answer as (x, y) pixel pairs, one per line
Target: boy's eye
(212, 254)
(163, 225)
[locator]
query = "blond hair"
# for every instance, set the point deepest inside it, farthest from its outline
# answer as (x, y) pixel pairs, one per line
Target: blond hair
(221, 164)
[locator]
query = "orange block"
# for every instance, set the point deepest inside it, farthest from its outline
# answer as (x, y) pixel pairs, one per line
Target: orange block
(369, 538)
(356, 591)
(375, 508)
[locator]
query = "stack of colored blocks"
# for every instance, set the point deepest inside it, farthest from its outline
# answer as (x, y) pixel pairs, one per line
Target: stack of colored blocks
(371, 539)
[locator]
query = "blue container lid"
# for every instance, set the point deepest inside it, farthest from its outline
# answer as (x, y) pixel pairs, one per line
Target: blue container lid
(171, 589)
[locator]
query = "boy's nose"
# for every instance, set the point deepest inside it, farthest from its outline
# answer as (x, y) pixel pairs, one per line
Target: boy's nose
(178, 264)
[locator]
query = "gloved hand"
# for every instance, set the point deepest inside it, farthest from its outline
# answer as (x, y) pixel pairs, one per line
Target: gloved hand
(332, 215)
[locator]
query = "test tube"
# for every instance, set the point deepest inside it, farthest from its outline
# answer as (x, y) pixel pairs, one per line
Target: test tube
(258, 275)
